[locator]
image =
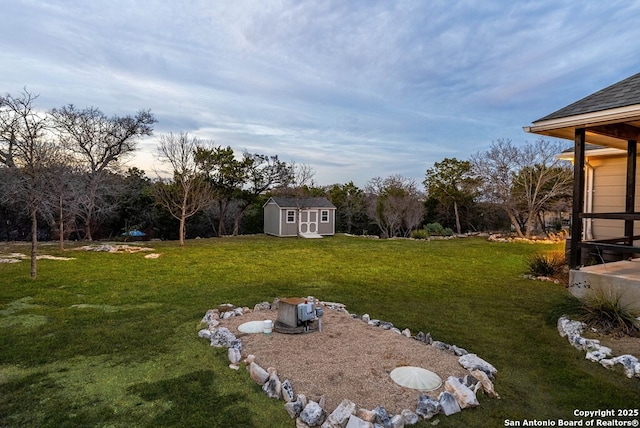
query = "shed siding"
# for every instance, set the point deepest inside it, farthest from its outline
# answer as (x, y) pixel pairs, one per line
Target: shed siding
(330, 227)
(287, 229)
(272, 219)
(275, 216)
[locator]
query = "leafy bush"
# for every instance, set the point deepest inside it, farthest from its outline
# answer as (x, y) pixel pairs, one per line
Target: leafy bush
(547, 264)
(436, 229)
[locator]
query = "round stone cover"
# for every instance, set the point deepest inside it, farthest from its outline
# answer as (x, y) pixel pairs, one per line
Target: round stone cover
(416, 378)
(252, 327)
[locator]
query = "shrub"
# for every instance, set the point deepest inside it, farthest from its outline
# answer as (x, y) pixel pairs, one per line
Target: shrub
(547, 264)
(436, 229)
(420, 234)
(601, 311)
(607, 314)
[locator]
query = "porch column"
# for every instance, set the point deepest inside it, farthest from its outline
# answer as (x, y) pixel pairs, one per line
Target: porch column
(630, 202)
(578, 198)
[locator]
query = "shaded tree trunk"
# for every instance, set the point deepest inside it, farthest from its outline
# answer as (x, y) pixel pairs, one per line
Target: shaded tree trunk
(34, 243)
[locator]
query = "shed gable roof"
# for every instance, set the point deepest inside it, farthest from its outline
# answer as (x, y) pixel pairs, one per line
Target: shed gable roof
(624, 93)
(286, 202)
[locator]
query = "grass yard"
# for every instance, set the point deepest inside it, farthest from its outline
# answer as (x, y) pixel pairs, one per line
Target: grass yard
(111, 339)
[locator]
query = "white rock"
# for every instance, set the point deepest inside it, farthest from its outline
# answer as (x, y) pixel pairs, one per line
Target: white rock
(205, 333)
(356, 422)
(607, 363)
(264, 306)
(465, 396)
(234, 355)
(596, 356)
(294, 408)
(258, 374)
(382, 416)
(406, 332)
(397, 421)
(448, 403)
(410, 418)
(473, 362)
(366, 415)
(567, 327)
(340, 416)
(272, 387)
(428, 407)
(628, 362)
(313, 414)
(485, 383)
(287, 391)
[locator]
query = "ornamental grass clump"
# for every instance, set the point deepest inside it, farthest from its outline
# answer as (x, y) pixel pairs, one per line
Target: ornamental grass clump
(601, 310)
(606, 313)
(547, 264)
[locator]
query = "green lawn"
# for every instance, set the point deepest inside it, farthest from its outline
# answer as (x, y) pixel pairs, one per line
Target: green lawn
(111, 339)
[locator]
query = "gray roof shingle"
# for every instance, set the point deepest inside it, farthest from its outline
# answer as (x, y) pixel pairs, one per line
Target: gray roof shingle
(284, 202)
(624, 93)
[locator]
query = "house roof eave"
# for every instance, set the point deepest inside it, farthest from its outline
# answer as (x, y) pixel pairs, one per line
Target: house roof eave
(564, 127)
(617, 115)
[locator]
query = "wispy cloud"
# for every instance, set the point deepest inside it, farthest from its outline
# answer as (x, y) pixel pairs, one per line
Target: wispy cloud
(356, 89)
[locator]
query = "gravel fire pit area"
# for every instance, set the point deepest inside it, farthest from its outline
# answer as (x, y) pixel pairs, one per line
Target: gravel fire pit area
(341, 374)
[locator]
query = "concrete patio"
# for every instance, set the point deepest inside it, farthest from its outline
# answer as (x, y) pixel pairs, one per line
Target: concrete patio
(619, 279)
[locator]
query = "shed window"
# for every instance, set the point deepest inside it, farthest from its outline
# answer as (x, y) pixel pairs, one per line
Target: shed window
(291, 216)
(324, 216)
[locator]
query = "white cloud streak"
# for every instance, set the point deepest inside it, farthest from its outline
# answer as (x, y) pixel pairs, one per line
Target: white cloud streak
(356, 89)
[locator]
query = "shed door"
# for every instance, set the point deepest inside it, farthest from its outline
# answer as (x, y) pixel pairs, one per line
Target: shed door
(308, 221)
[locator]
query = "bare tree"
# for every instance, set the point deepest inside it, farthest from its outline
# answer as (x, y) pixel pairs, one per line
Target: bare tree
(99, 142)
(522, 180)
(64, 200)
(188, 192)
(497, 168)
(395, 204)
(542, 179)
(27, 152)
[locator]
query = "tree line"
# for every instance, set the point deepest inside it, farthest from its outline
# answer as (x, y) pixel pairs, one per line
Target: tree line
(62, 177)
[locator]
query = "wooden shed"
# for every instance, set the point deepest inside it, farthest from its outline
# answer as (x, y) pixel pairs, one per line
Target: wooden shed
(306, 217)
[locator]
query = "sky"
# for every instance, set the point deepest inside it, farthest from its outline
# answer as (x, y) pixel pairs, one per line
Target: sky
(354, 89)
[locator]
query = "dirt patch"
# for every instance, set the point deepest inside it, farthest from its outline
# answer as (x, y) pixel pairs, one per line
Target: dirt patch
(620, 345)
(348, 359)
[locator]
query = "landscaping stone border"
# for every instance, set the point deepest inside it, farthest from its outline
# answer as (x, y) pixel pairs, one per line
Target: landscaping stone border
(573, 330)
(459, 393)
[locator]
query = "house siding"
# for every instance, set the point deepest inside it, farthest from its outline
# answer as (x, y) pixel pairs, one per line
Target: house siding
(609, 182)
